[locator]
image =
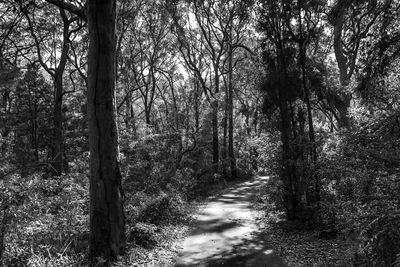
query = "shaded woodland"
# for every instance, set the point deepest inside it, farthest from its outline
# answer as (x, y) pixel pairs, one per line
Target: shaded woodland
(116, 116)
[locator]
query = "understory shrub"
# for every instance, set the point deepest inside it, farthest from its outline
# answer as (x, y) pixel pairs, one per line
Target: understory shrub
(144, 234)
(163, 209)
(48, 226)
(360, 174)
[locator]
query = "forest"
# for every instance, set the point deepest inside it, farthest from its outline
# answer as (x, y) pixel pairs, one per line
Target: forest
(200, 133)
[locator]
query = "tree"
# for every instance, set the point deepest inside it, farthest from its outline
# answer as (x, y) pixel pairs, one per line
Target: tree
(282, 88)
(58, 161)
(31, 109)
(107, 219)
(352, 22)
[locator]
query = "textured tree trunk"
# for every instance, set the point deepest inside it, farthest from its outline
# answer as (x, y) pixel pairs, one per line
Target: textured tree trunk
(58, 145)
(231, 152)
(215, 142)
(196, 105)
(214, 106)
(342, 105)
(287, 173)
(337, 19)
(225, 135)
(107, 220)
(147, 115)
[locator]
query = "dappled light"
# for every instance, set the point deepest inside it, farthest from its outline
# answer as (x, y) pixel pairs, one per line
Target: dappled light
(226, 233)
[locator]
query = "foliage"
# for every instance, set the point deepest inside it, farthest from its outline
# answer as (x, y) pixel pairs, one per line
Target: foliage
(182, 69)
(163, 209)
(143, 234)
(361, 182)
(48, 225)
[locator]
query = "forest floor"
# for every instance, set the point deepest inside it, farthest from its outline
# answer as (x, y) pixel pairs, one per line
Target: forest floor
(299, 244)
(234, 228)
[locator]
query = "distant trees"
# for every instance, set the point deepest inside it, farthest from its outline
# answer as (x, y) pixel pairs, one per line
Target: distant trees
(288, 30)
(31, 107)
(214, 30)
(48, 47)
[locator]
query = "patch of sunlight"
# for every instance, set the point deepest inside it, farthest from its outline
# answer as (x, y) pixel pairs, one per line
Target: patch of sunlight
(268, 252)
(229, 195)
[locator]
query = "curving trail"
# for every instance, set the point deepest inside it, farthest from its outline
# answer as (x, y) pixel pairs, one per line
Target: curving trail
(226, 233)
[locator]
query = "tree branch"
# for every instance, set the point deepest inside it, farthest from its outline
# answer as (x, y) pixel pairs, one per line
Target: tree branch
(80, 12)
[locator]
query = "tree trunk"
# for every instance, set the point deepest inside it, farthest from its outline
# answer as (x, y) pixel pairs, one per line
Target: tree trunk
(287, 173)
(214, 106)
(107, 220)
(337, 19)
(313, 149)
(225, 135)
(231, 152)
(58, 145)
(342, 104)
(215, 141)
(196, 105)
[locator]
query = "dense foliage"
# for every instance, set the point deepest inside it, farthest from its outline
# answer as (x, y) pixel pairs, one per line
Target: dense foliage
(203, 93)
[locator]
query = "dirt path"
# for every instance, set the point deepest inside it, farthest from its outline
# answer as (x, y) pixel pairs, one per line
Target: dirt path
(226, 233)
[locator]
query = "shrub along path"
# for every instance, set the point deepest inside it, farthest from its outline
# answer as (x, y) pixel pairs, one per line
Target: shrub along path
(226, 234)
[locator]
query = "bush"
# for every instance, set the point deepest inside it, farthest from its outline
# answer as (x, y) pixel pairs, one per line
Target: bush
(163, 209)
(143, 234)
(47, 224)
(381, 240)
(360, 178)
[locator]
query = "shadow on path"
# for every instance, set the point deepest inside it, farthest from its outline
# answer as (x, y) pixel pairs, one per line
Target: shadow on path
(226, 234)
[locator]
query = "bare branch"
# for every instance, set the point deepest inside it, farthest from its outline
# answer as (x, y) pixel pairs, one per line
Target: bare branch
(80, 12)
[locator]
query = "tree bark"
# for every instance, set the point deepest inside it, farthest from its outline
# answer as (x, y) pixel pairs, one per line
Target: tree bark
(58, 145)
(107, 220)
(337, 19)
(231, 152)
(214, 106)
(287, 173)
(196, 105)
(225, 134)
(215, 142)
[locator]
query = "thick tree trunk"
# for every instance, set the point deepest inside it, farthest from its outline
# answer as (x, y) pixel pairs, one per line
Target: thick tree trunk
(107, 220)
(337, 19)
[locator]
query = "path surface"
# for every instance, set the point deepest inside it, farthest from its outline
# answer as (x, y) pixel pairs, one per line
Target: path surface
(226, 233)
